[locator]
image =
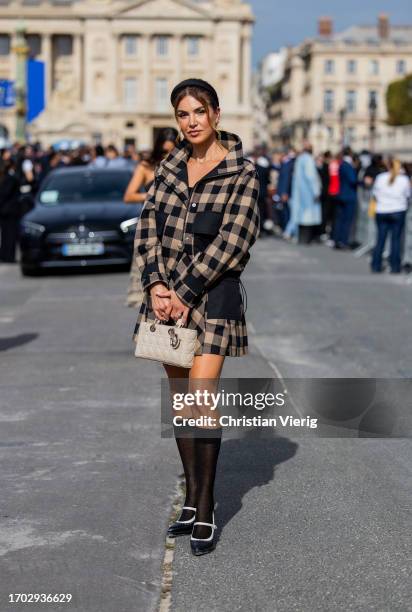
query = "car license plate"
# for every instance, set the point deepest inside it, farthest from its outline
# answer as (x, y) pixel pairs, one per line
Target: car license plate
(96, 248)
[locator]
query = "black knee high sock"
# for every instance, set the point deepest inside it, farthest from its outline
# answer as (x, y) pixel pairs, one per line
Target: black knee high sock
(207, 453)
(187, 450)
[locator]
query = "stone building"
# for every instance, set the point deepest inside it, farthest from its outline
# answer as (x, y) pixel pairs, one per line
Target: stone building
(111, 64)
(269, 72)
(332, 82)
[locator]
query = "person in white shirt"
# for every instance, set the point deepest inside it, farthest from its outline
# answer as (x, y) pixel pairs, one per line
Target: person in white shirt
(392, 191)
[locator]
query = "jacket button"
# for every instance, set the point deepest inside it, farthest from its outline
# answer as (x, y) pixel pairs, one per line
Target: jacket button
(194, 204)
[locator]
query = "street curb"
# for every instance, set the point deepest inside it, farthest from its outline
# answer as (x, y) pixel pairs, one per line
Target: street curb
(170, 547)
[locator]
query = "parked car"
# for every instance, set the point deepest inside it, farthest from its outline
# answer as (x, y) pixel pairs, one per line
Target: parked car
(79, 219)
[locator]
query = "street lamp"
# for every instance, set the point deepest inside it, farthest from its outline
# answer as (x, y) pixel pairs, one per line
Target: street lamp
(21, 50)
(372, 122)
(342, 117)
(286, 135)
(319, 132)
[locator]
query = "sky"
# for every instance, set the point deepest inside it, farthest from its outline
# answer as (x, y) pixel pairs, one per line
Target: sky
(290, 21)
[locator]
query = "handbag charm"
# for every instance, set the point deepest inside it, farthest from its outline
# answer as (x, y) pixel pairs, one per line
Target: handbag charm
(172, 345)
(174, 339)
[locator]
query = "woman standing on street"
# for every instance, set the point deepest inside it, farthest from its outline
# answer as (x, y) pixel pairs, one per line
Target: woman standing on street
(198, 224)
(143, 178)
(392, 191)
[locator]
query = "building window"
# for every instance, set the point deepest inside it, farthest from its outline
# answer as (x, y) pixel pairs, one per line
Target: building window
(34, 44)
(130, 91)
(400, 67)
(329, 66)
(372, 98)
(192, 45)
(162, 45)
(351, 66)
(350, 135)
(4, 132)
(63, 45)
(161, 94)
(328, 101)
(4, 44)
(373, 67)
(130, 45)
(351, 101)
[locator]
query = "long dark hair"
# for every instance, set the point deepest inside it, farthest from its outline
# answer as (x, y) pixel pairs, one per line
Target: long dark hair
(165, 135)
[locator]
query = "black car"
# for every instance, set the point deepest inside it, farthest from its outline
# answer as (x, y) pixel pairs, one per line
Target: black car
(79, 219)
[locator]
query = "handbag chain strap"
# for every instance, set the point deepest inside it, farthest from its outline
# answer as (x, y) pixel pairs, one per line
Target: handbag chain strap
(178, 323)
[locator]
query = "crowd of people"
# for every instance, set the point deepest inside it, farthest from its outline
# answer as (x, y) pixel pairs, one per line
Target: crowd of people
(310, 199)
(303, 198)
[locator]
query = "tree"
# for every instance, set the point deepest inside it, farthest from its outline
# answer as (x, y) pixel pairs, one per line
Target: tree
(399, 101)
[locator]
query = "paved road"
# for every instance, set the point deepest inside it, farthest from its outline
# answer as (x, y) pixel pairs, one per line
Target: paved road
(88, 484)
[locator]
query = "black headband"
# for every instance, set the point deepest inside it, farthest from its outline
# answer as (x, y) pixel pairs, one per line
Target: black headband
(195, 83)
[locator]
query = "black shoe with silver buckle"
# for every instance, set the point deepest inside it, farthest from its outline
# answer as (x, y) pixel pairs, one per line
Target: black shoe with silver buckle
(201, 546)
(179, 527)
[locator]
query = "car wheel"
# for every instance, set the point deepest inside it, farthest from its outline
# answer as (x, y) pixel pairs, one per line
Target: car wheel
(27, 271)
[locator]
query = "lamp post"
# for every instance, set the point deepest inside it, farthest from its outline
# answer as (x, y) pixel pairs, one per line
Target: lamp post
(286, 135)
(21, 50)
(342, 117)
(319, 132)
(372, 123)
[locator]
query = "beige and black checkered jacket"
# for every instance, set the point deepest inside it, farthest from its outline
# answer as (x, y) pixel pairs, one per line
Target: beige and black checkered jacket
(199, 244)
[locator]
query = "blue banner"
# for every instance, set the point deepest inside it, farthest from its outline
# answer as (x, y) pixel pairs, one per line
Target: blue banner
(7, 93)
(35, 89)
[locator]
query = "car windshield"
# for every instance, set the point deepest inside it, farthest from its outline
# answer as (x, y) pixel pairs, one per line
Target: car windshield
(85, 187)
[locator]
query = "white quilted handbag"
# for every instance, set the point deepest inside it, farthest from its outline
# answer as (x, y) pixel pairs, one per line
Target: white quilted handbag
(174, 345)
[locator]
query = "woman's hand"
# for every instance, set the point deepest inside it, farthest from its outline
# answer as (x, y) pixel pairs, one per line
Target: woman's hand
(160, 296)
(178, 309)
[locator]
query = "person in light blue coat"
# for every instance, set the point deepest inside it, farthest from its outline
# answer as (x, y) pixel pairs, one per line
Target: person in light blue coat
(305, 207)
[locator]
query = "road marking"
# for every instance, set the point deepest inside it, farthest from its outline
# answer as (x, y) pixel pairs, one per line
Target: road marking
(279, 376)
(77, 298)
(329, 277)
(170, 547)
